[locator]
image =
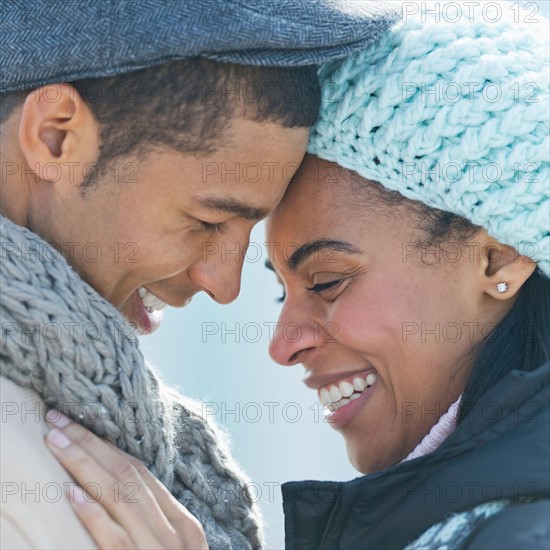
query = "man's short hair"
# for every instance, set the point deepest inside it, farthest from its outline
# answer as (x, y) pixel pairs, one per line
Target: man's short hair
(187, 105)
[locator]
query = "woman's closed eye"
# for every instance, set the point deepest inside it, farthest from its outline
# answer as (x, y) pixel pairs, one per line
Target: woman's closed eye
(315, 289)
(320, 287)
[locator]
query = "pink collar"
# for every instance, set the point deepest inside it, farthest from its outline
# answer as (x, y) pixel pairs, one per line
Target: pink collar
(441, 431)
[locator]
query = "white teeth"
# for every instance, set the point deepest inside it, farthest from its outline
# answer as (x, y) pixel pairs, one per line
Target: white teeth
(324, 396)
(150, 301)
(335, 394)
(346, 389)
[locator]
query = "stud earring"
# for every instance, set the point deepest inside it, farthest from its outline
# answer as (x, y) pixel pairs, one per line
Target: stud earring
(502, 287)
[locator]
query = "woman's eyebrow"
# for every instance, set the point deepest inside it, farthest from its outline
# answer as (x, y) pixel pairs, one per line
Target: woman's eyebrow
(306, 250)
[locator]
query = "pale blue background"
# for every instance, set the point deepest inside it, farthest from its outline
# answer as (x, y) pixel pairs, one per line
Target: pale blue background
(241, 376)
(230, 375)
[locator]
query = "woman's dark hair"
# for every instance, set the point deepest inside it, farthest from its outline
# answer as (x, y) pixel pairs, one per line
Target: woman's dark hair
(521, 340)
(188, 105)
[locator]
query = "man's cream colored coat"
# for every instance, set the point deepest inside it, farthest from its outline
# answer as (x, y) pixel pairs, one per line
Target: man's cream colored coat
(34, 509)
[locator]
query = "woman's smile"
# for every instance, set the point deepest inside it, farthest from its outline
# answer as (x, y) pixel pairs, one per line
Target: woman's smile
(344, 400)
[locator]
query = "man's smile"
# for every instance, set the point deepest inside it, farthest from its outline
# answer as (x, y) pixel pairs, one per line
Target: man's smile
(148, 310)
(150, 301)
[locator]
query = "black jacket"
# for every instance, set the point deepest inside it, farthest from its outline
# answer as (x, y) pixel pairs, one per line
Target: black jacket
(501, 450)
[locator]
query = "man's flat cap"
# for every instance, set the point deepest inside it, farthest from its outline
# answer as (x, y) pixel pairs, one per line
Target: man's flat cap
(46, 41)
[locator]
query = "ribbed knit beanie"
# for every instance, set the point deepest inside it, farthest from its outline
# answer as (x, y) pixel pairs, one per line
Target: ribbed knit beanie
(451, 109)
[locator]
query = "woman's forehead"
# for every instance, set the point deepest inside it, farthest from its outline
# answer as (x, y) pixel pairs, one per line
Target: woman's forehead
(319, 186)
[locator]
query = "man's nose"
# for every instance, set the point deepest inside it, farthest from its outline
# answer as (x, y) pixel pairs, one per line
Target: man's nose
(219, 271)
(296, 332)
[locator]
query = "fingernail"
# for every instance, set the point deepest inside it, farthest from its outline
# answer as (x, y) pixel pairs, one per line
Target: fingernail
(58, 438)
(57, 418)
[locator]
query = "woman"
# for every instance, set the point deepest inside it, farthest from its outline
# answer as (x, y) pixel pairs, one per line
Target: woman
(420, 286)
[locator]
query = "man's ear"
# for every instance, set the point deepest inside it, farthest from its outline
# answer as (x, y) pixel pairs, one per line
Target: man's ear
(58, 134)
(502, 269)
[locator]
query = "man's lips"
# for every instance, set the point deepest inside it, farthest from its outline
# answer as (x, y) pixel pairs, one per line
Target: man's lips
(147, 320)
(149, 309)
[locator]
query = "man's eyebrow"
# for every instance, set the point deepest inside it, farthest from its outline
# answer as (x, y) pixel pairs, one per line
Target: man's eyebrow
(233, 207)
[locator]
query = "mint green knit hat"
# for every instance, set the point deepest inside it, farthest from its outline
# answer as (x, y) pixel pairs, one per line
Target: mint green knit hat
(454, 114)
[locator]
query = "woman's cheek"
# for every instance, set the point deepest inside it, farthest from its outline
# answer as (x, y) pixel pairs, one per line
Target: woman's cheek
(365, 315)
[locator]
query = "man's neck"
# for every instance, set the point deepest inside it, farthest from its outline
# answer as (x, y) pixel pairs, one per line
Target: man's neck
(12, 204)
(16, 175)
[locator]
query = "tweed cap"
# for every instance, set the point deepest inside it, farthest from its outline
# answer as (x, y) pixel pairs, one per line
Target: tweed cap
(454, 114)
(47, 41)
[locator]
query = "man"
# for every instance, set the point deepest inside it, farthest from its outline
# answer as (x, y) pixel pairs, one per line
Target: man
(122, 159)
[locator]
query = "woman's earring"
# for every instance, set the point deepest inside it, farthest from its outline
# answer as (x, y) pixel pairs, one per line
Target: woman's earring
(502, 287)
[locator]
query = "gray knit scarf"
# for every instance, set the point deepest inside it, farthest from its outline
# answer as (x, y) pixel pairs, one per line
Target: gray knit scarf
(63, 340)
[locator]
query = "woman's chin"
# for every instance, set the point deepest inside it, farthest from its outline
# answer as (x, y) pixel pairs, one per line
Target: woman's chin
(368, 462)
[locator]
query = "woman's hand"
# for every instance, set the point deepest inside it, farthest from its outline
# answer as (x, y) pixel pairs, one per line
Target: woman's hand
(124, 506)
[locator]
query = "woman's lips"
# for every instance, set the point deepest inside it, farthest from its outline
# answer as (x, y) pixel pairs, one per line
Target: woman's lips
(345, 398)
(344, 415)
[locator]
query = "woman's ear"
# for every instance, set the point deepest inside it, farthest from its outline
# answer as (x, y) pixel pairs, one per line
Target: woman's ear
(503, 270)
(58, 133)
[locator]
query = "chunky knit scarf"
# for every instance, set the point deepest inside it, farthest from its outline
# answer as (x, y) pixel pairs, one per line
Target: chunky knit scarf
(60, 338)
